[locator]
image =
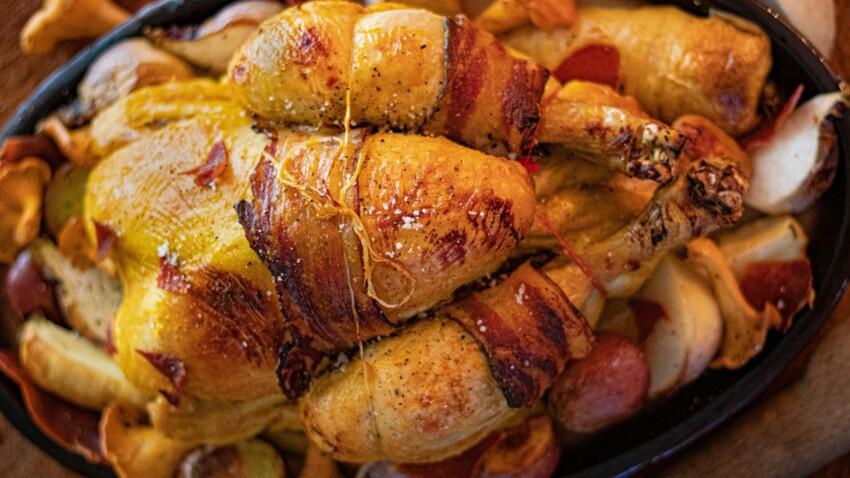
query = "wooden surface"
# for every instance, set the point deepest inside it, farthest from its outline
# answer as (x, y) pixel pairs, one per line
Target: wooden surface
(804, 429)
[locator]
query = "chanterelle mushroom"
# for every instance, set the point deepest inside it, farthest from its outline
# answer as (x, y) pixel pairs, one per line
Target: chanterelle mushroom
(21, 187)
(745, 329)
(60, 20)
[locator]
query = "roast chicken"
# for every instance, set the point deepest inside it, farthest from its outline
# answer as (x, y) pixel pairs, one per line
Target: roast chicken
(367, 218)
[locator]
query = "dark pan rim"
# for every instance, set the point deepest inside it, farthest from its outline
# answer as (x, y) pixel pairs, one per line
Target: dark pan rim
(60, 86)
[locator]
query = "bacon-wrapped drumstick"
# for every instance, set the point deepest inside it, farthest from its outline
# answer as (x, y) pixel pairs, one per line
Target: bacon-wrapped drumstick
(442, 384)
(405, 68)
(330, 62)
(366, 234)
(674, 63)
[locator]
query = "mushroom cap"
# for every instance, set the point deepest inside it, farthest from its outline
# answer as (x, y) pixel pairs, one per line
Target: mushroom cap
(21, 186)
(59, 20)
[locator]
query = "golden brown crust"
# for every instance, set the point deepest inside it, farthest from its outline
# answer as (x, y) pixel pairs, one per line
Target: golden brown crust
(223, 323)
(435, 216)
(672, 62)
(528, 331)
(406, 69)
(438, 388)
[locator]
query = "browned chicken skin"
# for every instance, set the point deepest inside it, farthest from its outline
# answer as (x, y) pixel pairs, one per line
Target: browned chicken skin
(362, 231)
(412, 70)
(672, 62)
(405, 68)
(363, 235)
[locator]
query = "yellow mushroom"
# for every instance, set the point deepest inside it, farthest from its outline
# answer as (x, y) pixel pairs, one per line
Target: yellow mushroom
(745, 329)
(74, 144)
(135, 449)
(60, 20)
(21, 186)
(505, 15)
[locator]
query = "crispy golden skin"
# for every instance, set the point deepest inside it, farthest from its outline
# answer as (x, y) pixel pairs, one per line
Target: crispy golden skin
(430, 393)
(433, 214)
(224, 326)
(672, 62)
(405, 68)
(438, 214)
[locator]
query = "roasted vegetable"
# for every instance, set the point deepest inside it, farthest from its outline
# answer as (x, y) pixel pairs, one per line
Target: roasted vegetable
(505, 15)
(63, 198)
(28, 290)
(220, 421)
(60, 20)
(126, 67)
(21, 186)
(679, 323)
(244, 459)
(527, 450)
(87, 298)
(134, 448)
(745, 329)
(73, 368)
(800, 160)
(603, 388)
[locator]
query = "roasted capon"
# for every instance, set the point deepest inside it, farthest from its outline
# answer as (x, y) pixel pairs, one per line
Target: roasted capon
(384, 237)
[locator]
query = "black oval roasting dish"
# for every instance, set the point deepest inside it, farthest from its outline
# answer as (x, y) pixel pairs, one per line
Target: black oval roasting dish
(661, 430)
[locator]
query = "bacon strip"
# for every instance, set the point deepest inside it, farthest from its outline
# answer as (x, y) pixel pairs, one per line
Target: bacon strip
(170, 278)
(215, 165)
(483, 73)
(172, 368)
(70, 426)
(318, 268)
(528, 330)
(105, 236)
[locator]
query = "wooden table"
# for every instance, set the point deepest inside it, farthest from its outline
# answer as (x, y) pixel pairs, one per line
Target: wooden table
(801, 430)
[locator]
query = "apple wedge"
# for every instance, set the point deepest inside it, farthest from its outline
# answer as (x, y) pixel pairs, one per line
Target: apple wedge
(680, 343)
(798, 164)
(87, 298)
(70, 366)
(768, 259)
(779, 238)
